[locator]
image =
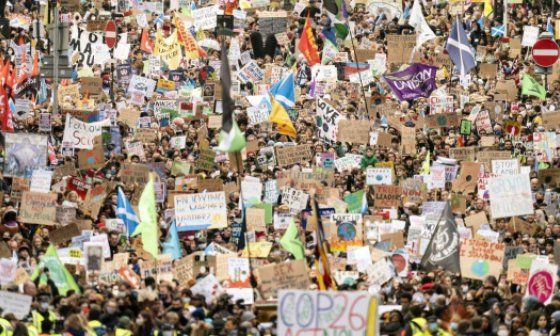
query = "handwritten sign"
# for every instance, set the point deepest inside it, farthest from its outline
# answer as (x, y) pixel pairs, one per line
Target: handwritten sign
(339, 313)
(201, 211)
(354, 131)
(510, 195)
(481, 258)
(38, 208)
(17, 304)
(387, 196)
(293, 154)
(288, 275)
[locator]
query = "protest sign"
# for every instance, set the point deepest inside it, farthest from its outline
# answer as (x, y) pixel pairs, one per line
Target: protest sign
(134, 173)
(255, 220)
(64, 234)
(300, 311)
(327, 120)
(379, 176)
(463, 153)
(510, 195)
(387, 196)
(413, 190)
(91, 85)
(38, 208)
(14, 303)
(348, 231)
(205, 160)
(292, 275)
(348, 162)
(480, 258)
(505, 167)
(295, 199)
(354, 131)
(41, 181)
(443, 120)
(24, 153)
(289, 155)
(200, 211)
(80, 134)
(542, 280)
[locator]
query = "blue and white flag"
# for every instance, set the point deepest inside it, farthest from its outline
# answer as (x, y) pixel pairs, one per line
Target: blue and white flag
(498, 31)
(283, 91)
(549, 26)
(126, 213)
(459, 49)
(172, 245)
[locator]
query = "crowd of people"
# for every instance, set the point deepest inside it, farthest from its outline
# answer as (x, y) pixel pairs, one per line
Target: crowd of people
(199, 162)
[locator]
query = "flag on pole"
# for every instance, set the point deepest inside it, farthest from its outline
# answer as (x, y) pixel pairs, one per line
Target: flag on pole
(290, 241)
(126, 213)
(284, 92)
(324, 278)
(549, 26)
(172, 245)
(280, 117)
(231, 137)
(459, 49)
(307, 44)
(530, 87)
(148, 219)
(443, 248)
(417, 20)
(62, 279)
(498, 31)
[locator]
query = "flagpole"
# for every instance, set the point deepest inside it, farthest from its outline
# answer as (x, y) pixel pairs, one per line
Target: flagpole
(358, 66)
(506, 19)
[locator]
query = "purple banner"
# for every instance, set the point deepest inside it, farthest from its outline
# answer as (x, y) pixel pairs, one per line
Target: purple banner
(418, 80)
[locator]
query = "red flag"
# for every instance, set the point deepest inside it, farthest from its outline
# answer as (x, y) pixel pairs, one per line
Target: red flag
(307, 44)
(7, 122)
(146, 44)
(5, 72)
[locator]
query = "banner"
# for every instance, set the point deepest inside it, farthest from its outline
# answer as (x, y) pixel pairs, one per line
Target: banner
(418, 80)
(24, 153)
(346, 231)
(303, 312)
(82, 135)
(90, 47)
(287, 275)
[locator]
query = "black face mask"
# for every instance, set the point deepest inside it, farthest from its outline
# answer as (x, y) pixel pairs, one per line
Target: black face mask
(392, 326)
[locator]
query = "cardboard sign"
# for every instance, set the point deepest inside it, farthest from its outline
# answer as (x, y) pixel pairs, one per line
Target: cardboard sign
(200, 211)
(210, 184)
(134, 173)
(129, 116)
(488, 70)
(551, 119)
(480, 258)
(255, 220)
(468, 178)
(205, 160)
(463, 153)
(288, 275)
(551, 177)
(38, 208)
(413, 190)
(91, 85)
(400, 47)
(387, 196)
(443, 120)
(92, 158)
(354, 131)
(290, 155)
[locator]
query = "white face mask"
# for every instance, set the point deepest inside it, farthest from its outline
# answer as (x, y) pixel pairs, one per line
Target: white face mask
(503, 332)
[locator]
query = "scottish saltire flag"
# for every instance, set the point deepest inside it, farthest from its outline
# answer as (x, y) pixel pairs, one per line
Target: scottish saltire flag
(498, 31)
(459, 49)
(549, 26)
(126, 213)
(283, 91)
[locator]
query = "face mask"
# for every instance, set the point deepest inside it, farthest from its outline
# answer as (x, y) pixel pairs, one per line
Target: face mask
(45, 305)
(111, 310)
(167, 333)
(503, 333)
(139, 321)
(186, 300)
